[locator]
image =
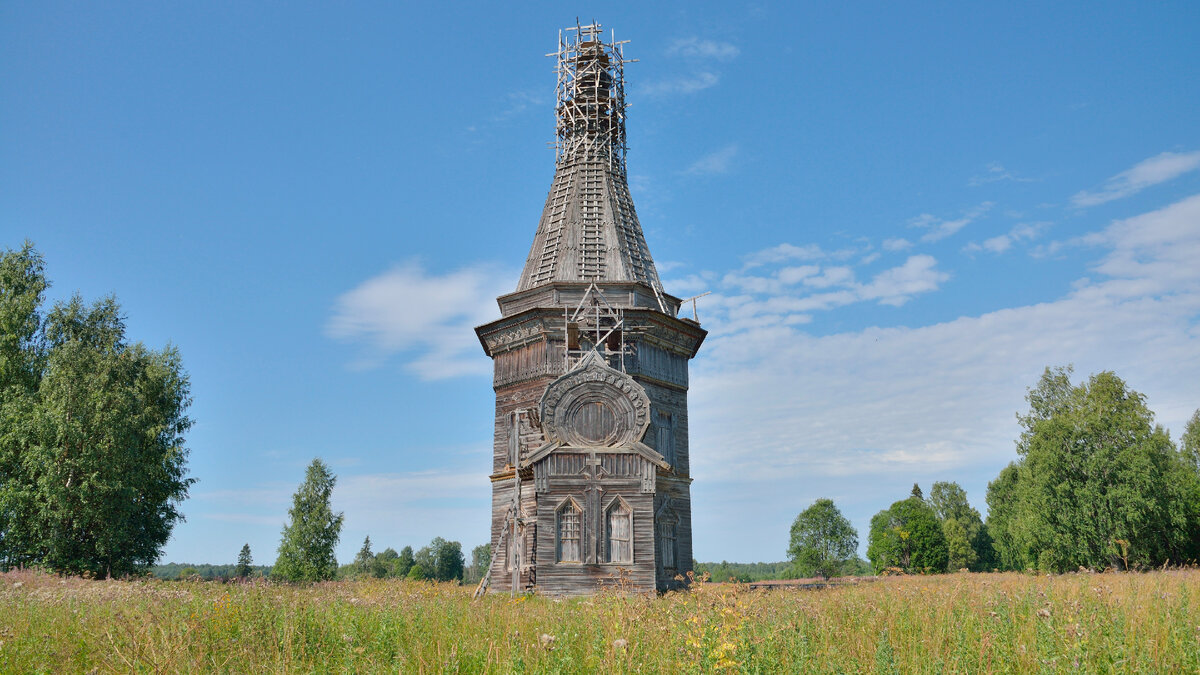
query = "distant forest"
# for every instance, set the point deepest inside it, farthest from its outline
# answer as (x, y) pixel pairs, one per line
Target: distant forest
(175, 571)
(743, 572)
(761, 571)
(717, 571)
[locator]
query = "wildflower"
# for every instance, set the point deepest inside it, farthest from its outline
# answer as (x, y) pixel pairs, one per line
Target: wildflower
(1044, 612)
(620, 643)
(547, 640)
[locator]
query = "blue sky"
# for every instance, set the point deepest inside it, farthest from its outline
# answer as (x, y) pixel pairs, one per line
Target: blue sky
(904, 213)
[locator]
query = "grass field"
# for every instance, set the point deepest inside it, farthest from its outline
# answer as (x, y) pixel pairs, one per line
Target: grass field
(963, 623)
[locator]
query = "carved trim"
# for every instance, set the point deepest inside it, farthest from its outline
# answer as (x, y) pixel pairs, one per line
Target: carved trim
(595, 382)
(522, 332)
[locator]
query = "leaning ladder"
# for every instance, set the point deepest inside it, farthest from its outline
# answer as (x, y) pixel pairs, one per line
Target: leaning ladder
(487, 577)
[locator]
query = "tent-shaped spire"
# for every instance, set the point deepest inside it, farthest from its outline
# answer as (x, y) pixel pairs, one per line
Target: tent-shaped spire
(589, 230)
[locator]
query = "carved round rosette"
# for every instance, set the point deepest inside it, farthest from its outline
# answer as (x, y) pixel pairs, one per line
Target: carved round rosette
(595, 406)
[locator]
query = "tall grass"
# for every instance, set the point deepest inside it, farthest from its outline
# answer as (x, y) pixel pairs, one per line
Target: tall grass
(964, 623)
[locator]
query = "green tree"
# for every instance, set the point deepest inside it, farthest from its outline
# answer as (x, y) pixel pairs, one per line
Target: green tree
(1097, 485)
(1004, 520)
(959, 551)
(448, 561)
(306, 547)
(949, 500)
(966, 536)
(364, 562)
(22, 362)
(907, 535)
(481, 559)
(244, 562)
(1189, 444)
(1187, 475)
(857, 567)
(403, 563)
(416, 573)
(385, 562)
(425, 556)
(822, 540)
(23, 285)
(441, 560)
(481, 556)
(92, 456)
(916, 491)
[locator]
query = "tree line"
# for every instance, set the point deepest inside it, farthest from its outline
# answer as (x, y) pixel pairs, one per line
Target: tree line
(308, 540)
(1096, 485)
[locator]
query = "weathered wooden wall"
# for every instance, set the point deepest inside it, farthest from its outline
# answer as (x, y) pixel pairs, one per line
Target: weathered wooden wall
(527, 348)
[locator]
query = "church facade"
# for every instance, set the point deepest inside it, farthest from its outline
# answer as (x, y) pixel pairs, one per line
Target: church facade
(590, 470)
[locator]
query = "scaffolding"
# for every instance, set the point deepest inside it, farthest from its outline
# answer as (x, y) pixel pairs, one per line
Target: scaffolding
(595, 326)
(590, 96)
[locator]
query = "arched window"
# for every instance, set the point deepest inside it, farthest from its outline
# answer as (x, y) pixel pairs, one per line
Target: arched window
(667, 523)
(618, 530)
(568, 530)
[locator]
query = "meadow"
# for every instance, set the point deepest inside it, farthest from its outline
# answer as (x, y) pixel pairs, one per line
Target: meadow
(960, 623)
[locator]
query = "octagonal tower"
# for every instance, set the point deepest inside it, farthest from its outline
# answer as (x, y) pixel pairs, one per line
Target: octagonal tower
(590, 471)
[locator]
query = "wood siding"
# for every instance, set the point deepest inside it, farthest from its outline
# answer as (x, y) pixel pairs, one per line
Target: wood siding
(527, 349)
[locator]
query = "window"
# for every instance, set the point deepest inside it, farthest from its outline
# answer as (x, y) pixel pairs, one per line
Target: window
(619, 530)
(570, 526)
(666, 539)
(665, 436)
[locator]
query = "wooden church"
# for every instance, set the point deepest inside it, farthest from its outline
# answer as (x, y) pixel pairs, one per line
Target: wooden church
(590, 472)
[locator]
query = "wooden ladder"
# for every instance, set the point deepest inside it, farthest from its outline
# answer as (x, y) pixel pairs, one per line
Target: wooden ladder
(487, 577)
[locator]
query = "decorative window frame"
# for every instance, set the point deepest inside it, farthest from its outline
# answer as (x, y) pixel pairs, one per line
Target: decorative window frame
(614, 503)
(558, 514)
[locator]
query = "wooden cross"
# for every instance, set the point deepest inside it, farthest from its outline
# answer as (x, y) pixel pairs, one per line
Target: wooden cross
(594, 472)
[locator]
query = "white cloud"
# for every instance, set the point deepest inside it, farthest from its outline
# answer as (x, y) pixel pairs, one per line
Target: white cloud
(790, 275)
(996, 173)
(1160, 248)
(897, 244)
(787, 252)
(763, 295)
(426, 318)
(713, 163)
(939, 229)
(692, 283)
(1003, 242)
(694, 47)
(1158, 169)
(683, 84)
(896, 286)
(866, 413)
(831, 276)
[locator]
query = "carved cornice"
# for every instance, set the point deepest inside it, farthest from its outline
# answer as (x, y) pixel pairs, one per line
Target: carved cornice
(539, 323)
